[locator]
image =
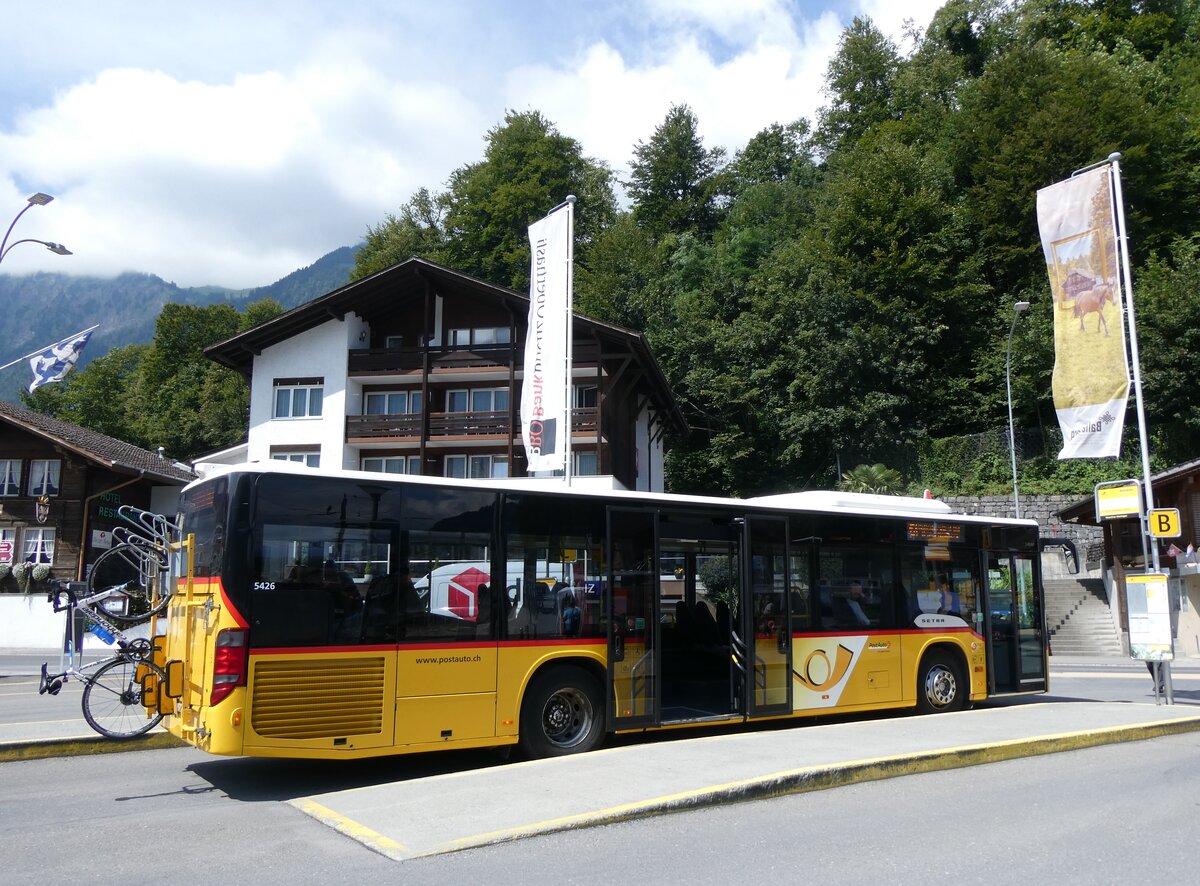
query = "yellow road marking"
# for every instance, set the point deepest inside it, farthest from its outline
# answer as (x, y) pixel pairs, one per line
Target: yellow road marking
(352, 829)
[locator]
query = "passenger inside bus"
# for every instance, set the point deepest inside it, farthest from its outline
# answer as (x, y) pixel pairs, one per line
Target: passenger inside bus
(572, 616)
(848, 609)
(948, 602)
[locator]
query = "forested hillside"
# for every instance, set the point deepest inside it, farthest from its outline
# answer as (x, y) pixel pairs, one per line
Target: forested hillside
(841, 291)
(42, 308)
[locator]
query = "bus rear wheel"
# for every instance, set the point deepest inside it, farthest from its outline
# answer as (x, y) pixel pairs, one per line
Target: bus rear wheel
(940, 686)
(563, 713)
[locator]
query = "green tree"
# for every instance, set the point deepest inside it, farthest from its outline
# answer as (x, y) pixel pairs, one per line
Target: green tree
(99, 395)
(166, 393)
(528, 168)
(859, 85)
(417, 231)
(673, 179)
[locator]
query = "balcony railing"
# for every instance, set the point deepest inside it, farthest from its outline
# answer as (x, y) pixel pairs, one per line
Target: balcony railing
(451, 424)
(412, 359)
(458, 357)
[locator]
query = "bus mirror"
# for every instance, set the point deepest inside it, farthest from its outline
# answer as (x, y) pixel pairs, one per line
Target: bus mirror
(1068, 551)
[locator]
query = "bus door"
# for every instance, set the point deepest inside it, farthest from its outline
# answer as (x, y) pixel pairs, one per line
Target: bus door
(632, 617)
(766, 652)
(1015, 630)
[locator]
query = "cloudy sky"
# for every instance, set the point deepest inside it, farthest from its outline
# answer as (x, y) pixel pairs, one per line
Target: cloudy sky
(231, 142)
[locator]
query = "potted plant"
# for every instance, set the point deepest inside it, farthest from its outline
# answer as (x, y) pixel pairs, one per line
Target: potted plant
(20, 571)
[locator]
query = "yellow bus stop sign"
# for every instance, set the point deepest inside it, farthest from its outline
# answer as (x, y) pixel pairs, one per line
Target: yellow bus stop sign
(1164, 523)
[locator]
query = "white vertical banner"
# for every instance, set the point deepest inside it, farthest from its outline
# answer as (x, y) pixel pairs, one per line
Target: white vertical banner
(1091, 367)
(544, 420)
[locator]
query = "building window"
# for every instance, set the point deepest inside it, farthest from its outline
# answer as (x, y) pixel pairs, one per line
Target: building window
(489, 400)
(585, 464)
(477, 400)
(397, 464)
(311, 459)
(476, 467)
(39, 545)
(43, 476)
(298, 400)
(483, 335)
(483, 467)
(586, 396)
(393, 342)
(10, 476)
(392, 403)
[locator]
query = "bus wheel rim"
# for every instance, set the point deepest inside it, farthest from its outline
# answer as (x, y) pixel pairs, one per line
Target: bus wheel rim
(941, 687)
(567, 717)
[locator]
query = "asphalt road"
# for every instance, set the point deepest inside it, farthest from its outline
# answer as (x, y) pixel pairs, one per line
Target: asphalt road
(1120, 813)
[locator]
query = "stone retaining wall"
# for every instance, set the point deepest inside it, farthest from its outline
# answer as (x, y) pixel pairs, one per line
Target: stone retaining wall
(1044, 509)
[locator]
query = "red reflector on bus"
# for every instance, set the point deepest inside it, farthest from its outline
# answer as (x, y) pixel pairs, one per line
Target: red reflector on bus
(229, 664)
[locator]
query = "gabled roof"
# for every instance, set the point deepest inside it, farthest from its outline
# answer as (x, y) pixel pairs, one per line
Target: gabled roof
(106, 451)
(1084, 510)
(377, 293)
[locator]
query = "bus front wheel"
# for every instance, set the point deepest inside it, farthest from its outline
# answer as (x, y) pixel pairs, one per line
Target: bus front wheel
(563, 713)
(940, 686)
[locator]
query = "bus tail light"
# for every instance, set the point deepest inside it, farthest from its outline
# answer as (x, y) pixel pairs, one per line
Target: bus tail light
(229, 663)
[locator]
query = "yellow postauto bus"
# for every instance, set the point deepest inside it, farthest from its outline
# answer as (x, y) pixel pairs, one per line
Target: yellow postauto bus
(340, 614)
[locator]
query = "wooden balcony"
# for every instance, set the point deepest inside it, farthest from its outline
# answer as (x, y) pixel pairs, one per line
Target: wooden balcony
(451, 424)
(398, 360)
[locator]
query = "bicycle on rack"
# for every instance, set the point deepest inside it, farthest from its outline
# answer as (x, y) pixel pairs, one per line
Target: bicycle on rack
(128, 584)
(118, 685)
(132, 567)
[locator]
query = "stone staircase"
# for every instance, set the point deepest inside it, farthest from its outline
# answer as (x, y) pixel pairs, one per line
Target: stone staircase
(1078, 618)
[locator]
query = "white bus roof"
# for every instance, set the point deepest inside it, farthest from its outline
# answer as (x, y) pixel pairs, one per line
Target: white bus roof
(815, 501)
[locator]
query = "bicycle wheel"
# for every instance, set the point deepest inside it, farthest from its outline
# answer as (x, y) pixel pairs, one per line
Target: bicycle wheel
(112, 699)
(127, 570)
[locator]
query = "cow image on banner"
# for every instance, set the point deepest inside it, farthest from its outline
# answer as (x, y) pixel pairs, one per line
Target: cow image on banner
(543, 393)
(1091, 368)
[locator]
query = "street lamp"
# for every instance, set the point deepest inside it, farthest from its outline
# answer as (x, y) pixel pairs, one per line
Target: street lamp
(1018, 309)
(38, 199)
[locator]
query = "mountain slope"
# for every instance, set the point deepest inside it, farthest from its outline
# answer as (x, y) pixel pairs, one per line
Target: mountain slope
(40, 309)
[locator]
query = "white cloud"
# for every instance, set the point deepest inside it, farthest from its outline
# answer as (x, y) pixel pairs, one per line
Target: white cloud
(233, 143)
(610, 104)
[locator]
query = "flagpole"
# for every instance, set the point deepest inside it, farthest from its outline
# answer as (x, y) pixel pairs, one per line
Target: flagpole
(1163, 673)
(41, 350)
(1123, 242)
(569, 401)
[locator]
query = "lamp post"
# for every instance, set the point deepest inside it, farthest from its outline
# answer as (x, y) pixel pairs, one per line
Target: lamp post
(38, 199)
(1018, 309)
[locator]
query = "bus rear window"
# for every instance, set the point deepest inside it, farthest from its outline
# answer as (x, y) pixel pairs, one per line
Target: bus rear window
(204, 510)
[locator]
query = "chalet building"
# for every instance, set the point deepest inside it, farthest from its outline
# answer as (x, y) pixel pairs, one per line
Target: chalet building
(61, 486)
(418, 369)
(1121, 553)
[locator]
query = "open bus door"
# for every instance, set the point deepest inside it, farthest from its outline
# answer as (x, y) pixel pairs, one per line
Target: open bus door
(1015, 627)
(767, 625)
(632, 617)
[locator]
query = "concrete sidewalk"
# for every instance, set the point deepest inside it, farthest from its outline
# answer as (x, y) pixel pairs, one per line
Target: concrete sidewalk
(447, 813)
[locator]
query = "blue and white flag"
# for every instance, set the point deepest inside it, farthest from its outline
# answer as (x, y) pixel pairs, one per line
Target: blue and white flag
(56, 361)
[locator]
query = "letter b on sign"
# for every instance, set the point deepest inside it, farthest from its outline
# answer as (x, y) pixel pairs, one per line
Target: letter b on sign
(1164, 523)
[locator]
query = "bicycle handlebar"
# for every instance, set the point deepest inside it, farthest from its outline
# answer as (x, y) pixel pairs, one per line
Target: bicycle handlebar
(60, 587)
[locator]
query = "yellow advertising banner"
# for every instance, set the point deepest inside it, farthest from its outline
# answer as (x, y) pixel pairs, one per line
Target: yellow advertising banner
(1091, 368)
